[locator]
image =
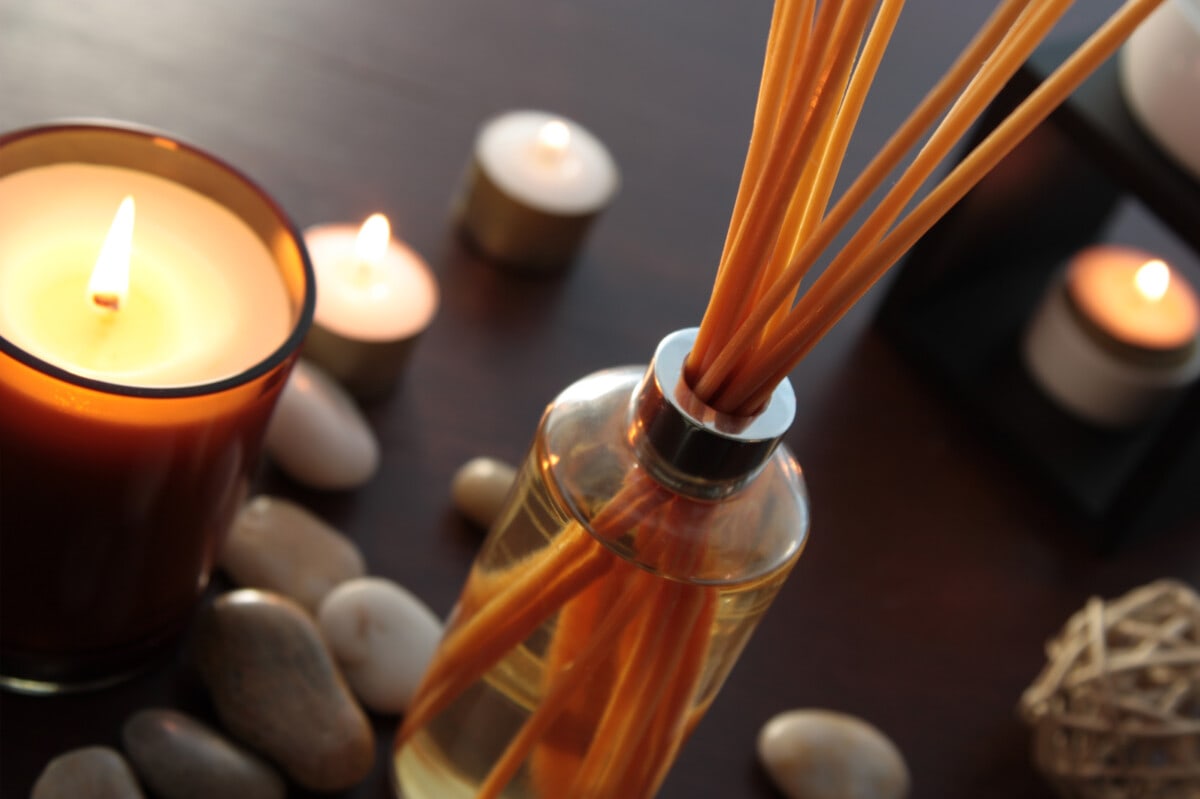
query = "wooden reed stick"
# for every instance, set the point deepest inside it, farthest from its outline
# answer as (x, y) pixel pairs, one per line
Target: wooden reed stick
(534, 570)
(997, 69)
(559, 751)
(812, 196)
(807, 108)
(789, 59)
(625, 708)
(687, 614)
(672, 717)
(791, 23)
(567, 566)
(647, 624)
(653, 661)
(755, 242)
(468, 652)
(568, 678)
(834, 151)
(819, 318)
(935, 101)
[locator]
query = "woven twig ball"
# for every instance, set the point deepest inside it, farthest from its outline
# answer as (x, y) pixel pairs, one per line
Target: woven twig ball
(1116, 711)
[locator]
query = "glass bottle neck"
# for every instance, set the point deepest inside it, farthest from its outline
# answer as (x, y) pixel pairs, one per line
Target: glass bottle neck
(694, 449)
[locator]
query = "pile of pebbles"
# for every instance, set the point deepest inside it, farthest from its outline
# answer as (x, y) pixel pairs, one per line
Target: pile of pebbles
(294, 658)
(291, 661)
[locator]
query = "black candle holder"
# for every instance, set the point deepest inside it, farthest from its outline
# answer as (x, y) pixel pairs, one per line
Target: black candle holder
(962, 299)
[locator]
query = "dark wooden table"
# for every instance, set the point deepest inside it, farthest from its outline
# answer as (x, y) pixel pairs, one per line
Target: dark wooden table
(935, 570)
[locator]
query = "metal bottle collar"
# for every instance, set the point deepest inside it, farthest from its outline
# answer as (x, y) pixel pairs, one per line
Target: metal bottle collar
(691, 447)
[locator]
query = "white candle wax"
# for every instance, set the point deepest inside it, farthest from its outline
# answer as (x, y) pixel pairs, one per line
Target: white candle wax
(547, 162)
(537, 182)
(371, 304)
(205, 298)
(1117, 337)
(1159, 71)
(391, 296)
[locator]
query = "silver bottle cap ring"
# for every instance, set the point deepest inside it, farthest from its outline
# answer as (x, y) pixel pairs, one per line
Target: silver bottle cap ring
(693, 448)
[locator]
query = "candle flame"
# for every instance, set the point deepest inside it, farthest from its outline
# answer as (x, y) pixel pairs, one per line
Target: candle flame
(553, 138)
(1152, 279)
(109, 284)
(372, 241)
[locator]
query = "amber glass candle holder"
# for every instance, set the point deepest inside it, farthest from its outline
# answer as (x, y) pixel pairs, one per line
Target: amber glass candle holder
(114, 498)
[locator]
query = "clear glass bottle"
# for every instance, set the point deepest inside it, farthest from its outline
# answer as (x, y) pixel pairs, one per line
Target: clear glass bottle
(645, 536)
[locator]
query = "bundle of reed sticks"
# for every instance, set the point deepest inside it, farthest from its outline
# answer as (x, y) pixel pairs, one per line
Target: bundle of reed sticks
(818, 69)
(628, 647)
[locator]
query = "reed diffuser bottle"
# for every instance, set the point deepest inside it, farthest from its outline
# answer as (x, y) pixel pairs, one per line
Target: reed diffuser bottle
(644, 538)
(656, 516)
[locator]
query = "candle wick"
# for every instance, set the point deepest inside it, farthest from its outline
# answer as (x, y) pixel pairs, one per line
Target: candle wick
(364, 273)
(107, 301)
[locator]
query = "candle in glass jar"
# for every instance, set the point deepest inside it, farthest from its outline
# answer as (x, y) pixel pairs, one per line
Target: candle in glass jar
(1117, 338)
(535, 186)
(375, 296)
(133, 413)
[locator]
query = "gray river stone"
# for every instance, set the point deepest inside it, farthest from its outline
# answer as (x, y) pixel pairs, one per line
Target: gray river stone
(179, 757)
(276, 689)
(823, 754)
(480, 488)
(280, 546)
(95, 772)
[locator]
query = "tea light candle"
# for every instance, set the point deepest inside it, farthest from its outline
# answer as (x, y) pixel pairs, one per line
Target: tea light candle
(375, 296)
(535, 186)
(152, 301)
(1159, 70)
(1117, 338)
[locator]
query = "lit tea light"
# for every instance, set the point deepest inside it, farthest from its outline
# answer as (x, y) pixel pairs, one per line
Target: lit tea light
(536, 184)
(374, 298)
(1136, 300)
(1117, 338)
(142, 350)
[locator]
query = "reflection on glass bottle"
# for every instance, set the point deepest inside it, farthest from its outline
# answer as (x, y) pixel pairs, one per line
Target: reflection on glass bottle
(644, 538)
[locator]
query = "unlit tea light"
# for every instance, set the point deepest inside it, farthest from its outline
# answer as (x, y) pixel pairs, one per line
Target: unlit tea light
(374, 298)
(1117, 338)
(1159, 71)
(535, 185)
